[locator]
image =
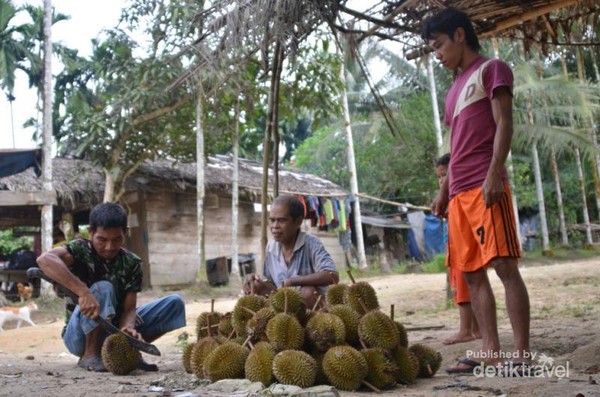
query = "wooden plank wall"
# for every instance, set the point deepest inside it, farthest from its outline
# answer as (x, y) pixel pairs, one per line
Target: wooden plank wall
(172, 235)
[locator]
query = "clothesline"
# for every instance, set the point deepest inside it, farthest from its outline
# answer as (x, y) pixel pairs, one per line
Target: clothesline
(404, 205)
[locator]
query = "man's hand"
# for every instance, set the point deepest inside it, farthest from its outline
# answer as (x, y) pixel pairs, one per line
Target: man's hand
(440, 206)
(88, 305)
(253, 284)
(132, 331)
(493, 189)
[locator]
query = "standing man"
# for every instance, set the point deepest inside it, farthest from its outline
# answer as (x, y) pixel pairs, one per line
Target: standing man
(482, 231)
(293, 258)
(106, 277)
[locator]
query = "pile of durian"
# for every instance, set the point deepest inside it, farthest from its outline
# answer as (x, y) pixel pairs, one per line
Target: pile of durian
(348, 343)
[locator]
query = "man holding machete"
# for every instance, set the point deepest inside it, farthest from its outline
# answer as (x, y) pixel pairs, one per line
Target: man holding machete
(106, 278)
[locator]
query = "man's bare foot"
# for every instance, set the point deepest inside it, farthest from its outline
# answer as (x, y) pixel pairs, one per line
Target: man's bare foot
(458, 338)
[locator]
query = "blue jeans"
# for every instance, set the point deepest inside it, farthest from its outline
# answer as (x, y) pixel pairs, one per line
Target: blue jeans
(159, 316)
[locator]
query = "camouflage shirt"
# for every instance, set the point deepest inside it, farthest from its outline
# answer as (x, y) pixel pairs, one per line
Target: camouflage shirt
(124, 272)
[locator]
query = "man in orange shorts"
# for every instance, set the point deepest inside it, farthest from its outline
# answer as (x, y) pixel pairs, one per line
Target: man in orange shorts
(482, 231)
(468, 329)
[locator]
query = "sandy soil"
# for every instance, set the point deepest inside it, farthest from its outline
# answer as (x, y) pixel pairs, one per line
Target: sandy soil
(565, 308)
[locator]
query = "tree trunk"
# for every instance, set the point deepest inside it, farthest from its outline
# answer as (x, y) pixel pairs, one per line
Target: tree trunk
(109, 186)
(580, 174)
(586, 214)
(435, 106)
(275, 125)
(362, 258)
(559, 201)
(47, 221)
(538, 183)
(540, 197)
(235, 270)
(200, 188)
(267, 151)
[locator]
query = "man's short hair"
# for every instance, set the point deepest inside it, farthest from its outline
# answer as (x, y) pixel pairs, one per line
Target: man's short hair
(295, 206)
(108, 215)
(446, 21)
(443, 161)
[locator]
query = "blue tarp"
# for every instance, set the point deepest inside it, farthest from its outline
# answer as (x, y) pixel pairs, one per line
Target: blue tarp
(434, 236)
(15, 161)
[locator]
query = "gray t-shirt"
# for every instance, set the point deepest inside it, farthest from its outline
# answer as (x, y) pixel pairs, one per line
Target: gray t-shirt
(309, 257)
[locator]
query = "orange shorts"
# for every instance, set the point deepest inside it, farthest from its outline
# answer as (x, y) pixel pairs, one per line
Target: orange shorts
(460, 288)
(477, 234)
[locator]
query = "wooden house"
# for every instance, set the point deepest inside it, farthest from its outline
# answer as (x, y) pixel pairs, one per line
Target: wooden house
(162, 206)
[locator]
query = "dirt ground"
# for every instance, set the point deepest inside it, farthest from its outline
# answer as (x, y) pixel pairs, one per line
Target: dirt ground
(565, 308)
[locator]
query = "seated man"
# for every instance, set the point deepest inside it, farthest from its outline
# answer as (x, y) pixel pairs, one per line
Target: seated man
(106, 278)
(293, 258)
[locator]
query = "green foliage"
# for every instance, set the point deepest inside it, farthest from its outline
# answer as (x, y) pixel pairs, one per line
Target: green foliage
(10, 243)
(437, 264)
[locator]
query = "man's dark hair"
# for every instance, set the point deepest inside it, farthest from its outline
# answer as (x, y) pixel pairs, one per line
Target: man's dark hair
(295, 206)
(443, 161)
(446, 21)
(107, 215)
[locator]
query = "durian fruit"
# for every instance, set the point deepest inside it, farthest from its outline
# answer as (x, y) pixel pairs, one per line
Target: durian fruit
(203, 321)
(361, 297)
(345, 367)
(226, 325)
(226, 362)
(295, 367)
(243, 311)
(289, 300)
(383, 370)
(376, 329)
(429, 360)
(199, 352)
(285, 332)
(403, 335)
(408, 365)
(335, 294)
(256, 327)
(350, 318)
(325, 330)
(118, 356)
(259, 364)
(187, 355)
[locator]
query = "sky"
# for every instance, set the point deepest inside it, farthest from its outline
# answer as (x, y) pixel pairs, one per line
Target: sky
(88, 19)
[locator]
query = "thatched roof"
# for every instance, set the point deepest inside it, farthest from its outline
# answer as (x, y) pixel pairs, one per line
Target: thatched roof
(79, 185)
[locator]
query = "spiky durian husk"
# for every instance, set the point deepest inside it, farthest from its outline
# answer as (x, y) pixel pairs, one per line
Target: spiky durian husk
(376, 329)
(118, 356)
(295, 367)
(408, 365)
(335, 294)
(199, 352)
(325, 330)
(186, 358)
(351, 319)
(383, 370)
(259, 364)
(402, 334)
(202, 324)
(345, 367)
(295, 302)
(256, 327)
(243, 311)
(226, 362)
(226, 325)
(361, 297)
(429, 360)
(285, 332)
